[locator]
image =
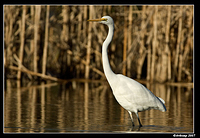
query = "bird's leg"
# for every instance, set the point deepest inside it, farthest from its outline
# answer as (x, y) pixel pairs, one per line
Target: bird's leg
(131, 117)
(138, 119)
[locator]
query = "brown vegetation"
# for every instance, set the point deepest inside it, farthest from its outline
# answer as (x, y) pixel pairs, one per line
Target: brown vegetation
(150, 42)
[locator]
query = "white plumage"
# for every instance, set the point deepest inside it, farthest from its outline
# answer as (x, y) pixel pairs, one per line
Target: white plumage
(134, 97)
(130, 94)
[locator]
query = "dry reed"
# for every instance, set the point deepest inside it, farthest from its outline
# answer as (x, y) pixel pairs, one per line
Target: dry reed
(150, 42)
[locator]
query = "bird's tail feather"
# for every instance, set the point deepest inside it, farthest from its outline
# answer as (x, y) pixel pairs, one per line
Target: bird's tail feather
(162, 107)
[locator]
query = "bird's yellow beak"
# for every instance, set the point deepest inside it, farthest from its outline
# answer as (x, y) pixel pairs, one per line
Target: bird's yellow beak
(97, 20)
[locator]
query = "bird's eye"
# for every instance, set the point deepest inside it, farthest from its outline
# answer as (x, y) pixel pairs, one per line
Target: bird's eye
(104, 19)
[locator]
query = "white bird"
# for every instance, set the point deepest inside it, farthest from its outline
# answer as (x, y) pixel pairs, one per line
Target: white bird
(130, 94)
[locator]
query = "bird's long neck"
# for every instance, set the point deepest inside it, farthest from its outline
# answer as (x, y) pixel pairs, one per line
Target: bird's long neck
(110, 75)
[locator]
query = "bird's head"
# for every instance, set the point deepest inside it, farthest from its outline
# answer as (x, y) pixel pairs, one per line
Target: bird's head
(104, 20)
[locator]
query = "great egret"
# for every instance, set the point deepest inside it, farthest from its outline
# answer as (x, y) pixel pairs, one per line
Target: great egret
(130, 94)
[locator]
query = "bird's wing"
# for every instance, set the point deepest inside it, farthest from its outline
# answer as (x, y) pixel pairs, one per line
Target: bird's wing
(135, 95)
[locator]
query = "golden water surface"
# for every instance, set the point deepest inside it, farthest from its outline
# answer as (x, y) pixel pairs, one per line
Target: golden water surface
(91, 107)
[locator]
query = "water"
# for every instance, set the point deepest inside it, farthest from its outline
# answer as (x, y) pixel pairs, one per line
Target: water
(91, 107)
